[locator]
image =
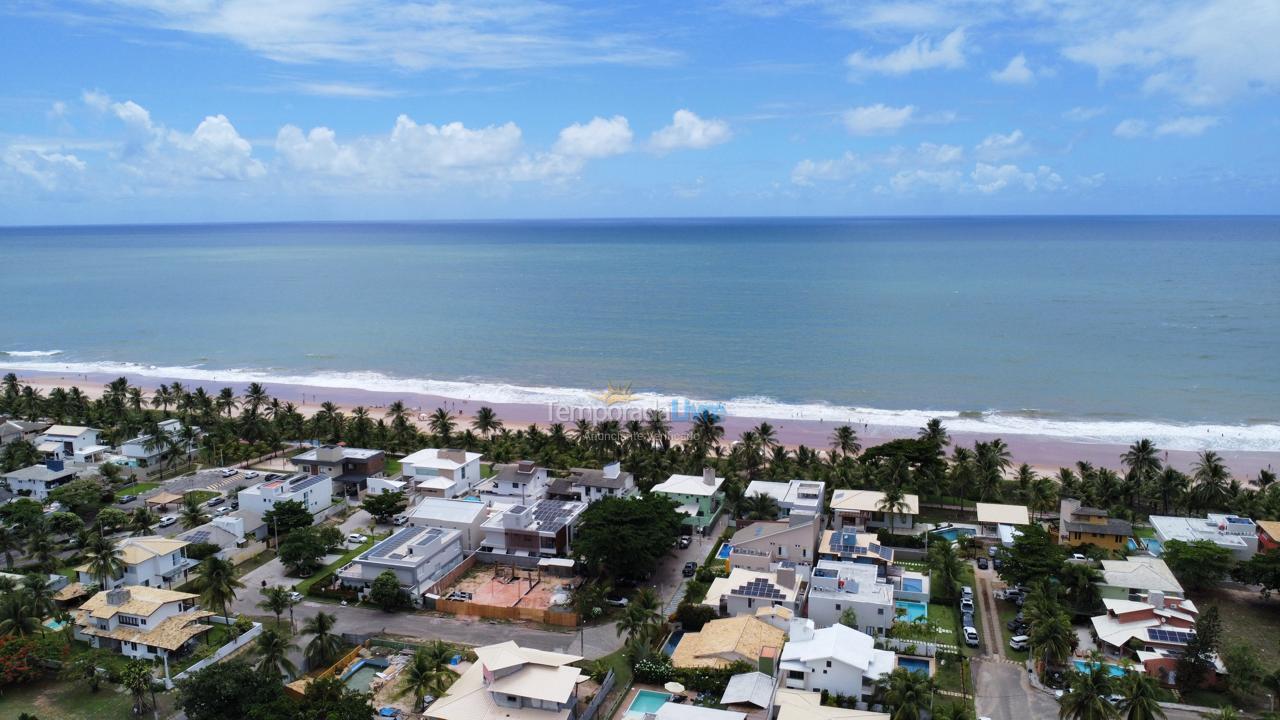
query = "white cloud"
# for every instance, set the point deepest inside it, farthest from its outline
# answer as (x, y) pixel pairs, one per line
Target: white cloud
(154, 153)
(96, 100)
(939, 154)
(993, 178)
(877, 119)
(1130, 128)
(597, 138)
(809, 172)
(919, 54)
(1083, 114)
(907, 181)
(1000, 147)
(1015, 73)
(50, 170)
(345, 90)
(317, 151)
(1186, 126)
(688, 131)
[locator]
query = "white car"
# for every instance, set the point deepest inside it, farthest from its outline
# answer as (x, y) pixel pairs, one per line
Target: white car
(966, 592)
(167, 520)
(222, 511)
(357, 539)
(228, 472)
(295, 596)
(401, 519)
(971, 636)
(251, 475)
(1019, 642)
(966, 605)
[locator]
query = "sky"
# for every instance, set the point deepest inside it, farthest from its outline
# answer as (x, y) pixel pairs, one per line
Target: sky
(153, 111)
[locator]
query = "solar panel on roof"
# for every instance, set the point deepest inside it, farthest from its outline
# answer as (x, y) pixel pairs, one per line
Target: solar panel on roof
(393, 543)
(1169, 636)
(200, 536)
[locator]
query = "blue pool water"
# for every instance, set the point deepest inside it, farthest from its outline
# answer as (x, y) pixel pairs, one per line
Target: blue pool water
(1133, 546)
(914, 664)
(914, 585)
(1113, 670)
(362, 673)
(54, 625)
(646, 701)
(915, 612)
(725, 549)
(672, 642)
(953, 533)
(1154, 546)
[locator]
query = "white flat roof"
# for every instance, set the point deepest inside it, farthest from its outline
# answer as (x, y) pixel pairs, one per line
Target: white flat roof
(448, 510)
(869, 501)
(430, 457)
(688, 485)
(1003, 514)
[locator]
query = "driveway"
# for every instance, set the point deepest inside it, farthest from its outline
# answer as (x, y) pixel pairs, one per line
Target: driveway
(1005, 693)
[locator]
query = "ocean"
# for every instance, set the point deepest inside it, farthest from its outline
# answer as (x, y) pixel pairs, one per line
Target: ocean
(1106, 328)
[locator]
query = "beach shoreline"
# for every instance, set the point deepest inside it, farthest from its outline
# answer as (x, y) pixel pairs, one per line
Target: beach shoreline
(1044, 453)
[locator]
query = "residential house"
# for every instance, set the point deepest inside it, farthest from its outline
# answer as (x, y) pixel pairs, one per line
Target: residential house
(141, 622)
(465, 516)
(149, 561)
(543, 529)
(227, 533)
(745, 591)
(1235, 533)
(861, 510)
(72, 443)
(1138, 578)
(515, 683)
(1268, 535)
(698, 497)
(800, 497)
(590, 485)
(837, 659)
(991, 516)
(1083, 525)
(752, 689)
(315, 492)
(792, 704)
(854, 546)
(15, 430)
(723, 642)
(141, 452)
(37, 481)
(761, 545)
(349, 467)
(839, 587)
(442, 473)
(1154, 631)
(523, 481)
(683, 711)
(419, 557)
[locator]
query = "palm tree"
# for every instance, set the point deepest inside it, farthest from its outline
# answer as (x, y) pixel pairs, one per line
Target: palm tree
(324, 645)
(933, 431)
(275, 600)
(137, 678)
(441, 423)
(106, 561)
(142, 520)
(192, 513)
(486, 422)
(162, 398)
(9, 542)
(1080, 583)
(1141, 697)
(658, 427)
(40, 591)
(1042, 495)
(707, 432)
(428, 673)
(1211, 477)
(1143, 460)
(17, 616)
(766, 435)
(759, 506)
(945, 568)
(217, 583)
(844, 442)
(226, 401)
(40, 545)
(894, 502)
(1052, 639)
(908, 693)
(1170, 484)
(1086, 698)
(273, 646)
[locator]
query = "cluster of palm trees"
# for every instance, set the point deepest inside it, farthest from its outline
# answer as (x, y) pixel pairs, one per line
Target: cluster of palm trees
(1090, 693)
(642, 623)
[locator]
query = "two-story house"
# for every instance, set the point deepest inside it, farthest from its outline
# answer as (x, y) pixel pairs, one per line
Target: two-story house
(72, 443)
(797, 497)
(442, 473)
(349, 467)
(37, 481)
(860, 510)
(465, 516)
(1137, 578)
(746, 591)
(698, 498)
(143, 452)
(543, 529)
(509, 681)
(610, 481)
(419, 557)
(837, 659)
(761, 545)
(839, 587)
(523, 481)
(1231, 532)
(1083, 525)
(315, 492)
(150, 561)
(141, 622)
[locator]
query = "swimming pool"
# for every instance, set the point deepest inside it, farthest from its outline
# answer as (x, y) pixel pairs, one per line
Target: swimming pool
(54, 625)
(362, 673)
(917, 665)
(1154, 546)
(672, 642)
(952, 533)
(914, 585)
(646, 701)
(1112, 670)
(723, 553)
(913, 611)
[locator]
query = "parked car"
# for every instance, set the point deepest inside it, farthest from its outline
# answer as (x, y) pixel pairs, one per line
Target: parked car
(295, 596)
(966, 592)
(1079, 557)
(690, 569)
(400, 519)
(215, 502)
(357, 539)
(222, 511)
(617, 601)
(1014, 623)
(966, 605)
(125, 500)
(250, 475)
(966, 620)
(997, 564)
(235, 504)
(992, 550)
(228, 472)
(971, 636)
(685, 541)
(1019, 642)
(982, 563)
(167, 520)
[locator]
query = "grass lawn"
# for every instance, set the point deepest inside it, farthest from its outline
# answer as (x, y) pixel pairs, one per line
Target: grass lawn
(72, 701)
(255, 562)
(136, 489)
(1144, 532)
(950, 675)
(486, 471)
(1008, 611)
(305, 586)
(1248, 619)
(391, 468)
(202, 495)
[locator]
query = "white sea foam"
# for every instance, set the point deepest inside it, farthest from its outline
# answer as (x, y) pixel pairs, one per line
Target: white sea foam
(30, 353)
(1169, 435)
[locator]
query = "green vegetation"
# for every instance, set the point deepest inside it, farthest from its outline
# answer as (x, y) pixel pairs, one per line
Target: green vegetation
(1007, 612)
(70, 701)
(136, 489)
(305, 586)
(201, 496)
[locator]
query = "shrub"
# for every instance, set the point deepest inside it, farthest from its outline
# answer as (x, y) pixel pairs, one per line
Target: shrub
(655, 670)
(904, 541)
(692, 617)
(200, 551)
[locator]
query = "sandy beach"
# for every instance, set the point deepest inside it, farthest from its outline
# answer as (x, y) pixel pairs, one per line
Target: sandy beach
(1046, 454)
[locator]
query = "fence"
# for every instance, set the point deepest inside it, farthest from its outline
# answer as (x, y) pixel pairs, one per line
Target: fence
(493, 612)
(452, 576)
(521, 561)
(244, 639)
(922, 648)
(297, 688)
(594, 706)
(246, 553)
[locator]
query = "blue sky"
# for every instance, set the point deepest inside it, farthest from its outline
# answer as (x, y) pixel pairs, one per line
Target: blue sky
(219, 110)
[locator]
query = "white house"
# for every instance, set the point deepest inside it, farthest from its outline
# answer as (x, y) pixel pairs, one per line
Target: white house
(859, 510)
(591, 485)
(837, 659)
(745, 591)
(141, 622)
(522, 481)
(465, 516)
(543, 529)
(698, 497)
(762, 544)
(139, 453)
(418, 556)
(1235, 533)
(800, 497)
(150, 561)
(836, 587)
(73, 443)
(442, 473)
(36, 481)
(509, 681)
(315, 492)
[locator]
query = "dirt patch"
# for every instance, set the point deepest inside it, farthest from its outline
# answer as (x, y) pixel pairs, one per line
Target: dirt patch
(502, 586)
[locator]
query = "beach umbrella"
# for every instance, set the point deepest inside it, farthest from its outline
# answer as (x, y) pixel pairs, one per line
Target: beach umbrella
(674, 687)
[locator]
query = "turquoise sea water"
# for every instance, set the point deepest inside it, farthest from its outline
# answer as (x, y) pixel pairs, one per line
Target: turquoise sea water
(1165, 327)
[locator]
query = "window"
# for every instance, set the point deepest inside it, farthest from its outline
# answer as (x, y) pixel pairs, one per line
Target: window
(828, 663)
(129, 620)
(837, 606)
